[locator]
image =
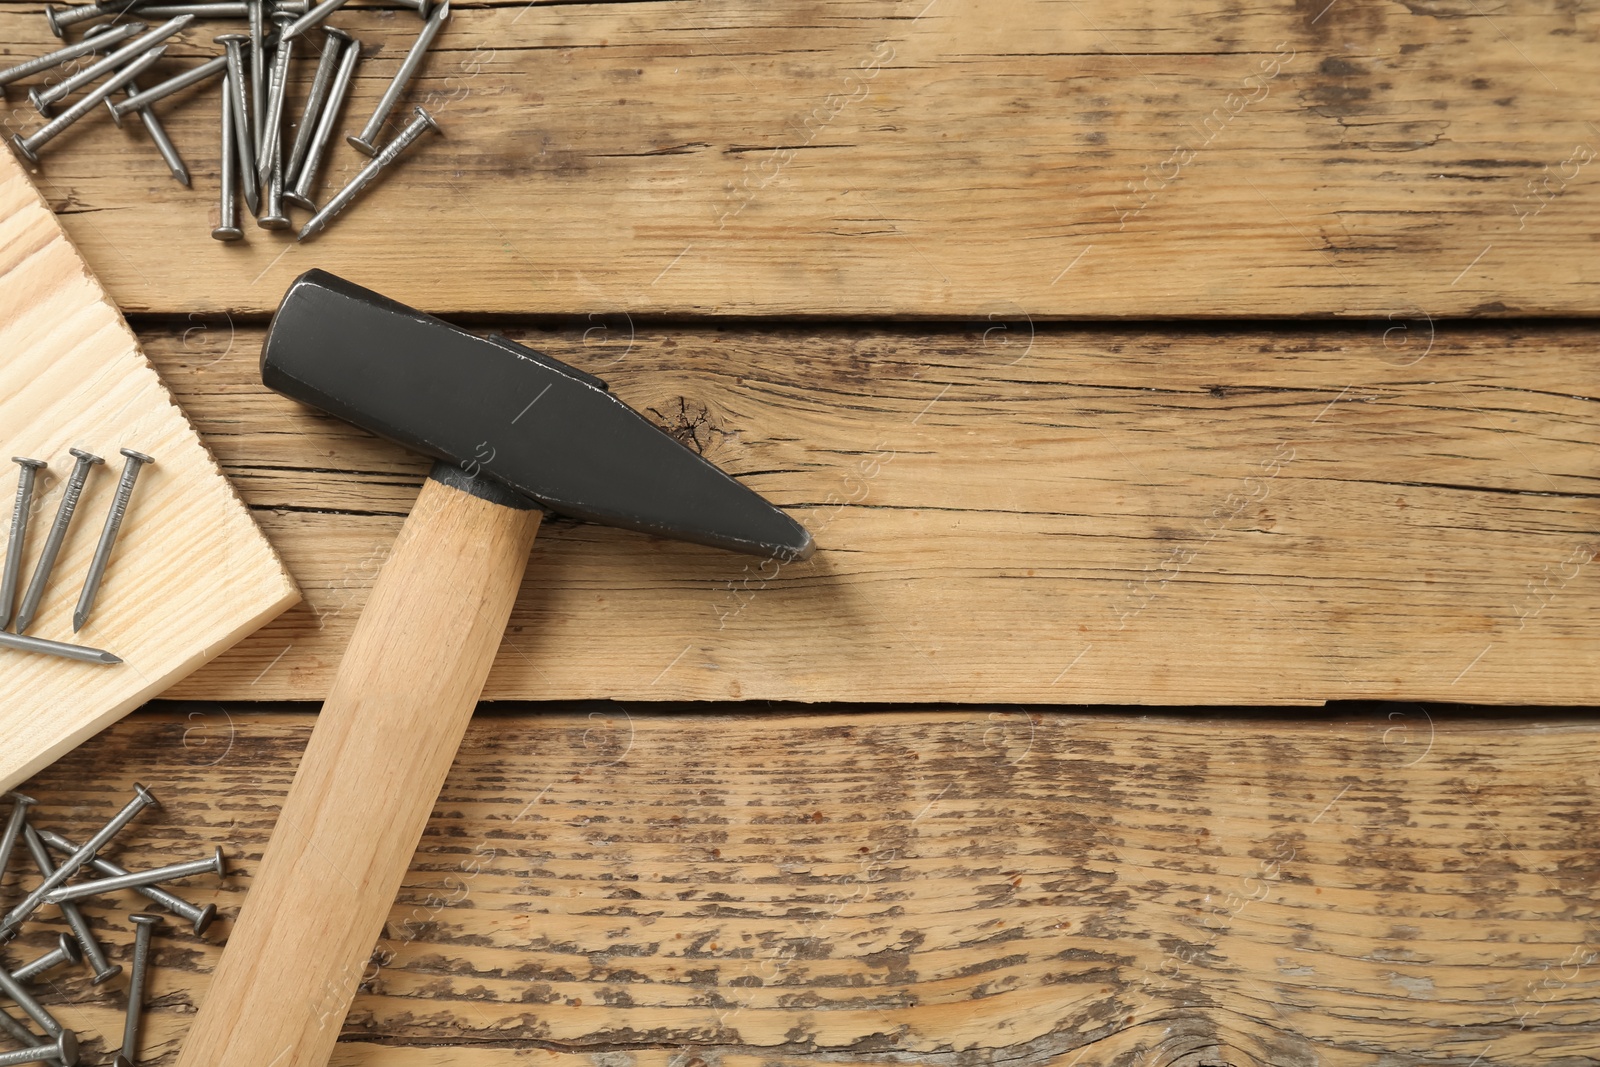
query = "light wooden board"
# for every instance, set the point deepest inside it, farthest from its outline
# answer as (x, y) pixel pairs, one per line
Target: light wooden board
(191, 573)
(1280, 516)
(916, 158)
(977, 886)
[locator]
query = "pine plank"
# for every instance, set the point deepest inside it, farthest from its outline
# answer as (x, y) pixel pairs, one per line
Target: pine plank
(1094, 159)
(974, 886)
(1275, 517)
(191, 573)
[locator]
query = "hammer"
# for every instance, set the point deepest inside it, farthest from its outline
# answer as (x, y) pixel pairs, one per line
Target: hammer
(512, 431)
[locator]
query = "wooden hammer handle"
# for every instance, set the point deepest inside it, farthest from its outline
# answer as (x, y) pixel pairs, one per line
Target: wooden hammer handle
(367, 783)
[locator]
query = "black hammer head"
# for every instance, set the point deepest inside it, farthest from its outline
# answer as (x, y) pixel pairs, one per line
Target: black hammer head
(549, 431)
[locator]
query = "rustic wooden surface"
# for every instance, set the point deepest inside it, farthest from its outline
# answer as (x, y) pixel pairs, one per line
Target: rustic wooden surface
(915, 158)
(980, 886)
(1071, 516)
(190, 574)
(1008, 511)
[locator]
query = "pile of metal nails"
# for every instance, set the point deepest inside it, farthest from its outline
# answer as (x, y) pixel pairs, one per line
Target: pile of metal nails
(27, 484)
(256, 70)
(58, 1045)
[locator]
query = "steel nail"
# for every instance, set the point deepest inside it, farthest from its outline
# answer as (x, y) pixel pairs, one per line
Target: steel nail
(20, 803)
(44, 98)
(227, 227)
(227, 9)
(200, 917)
(60, 20)
(158, 135)
(56, 536)
(13, 989)
(421, 7)
(209, 69)
(255, 10)
(111, 36)
(66, 951)
(243, 135)
(366, 141)
(269, 139)
(333, 40)
(146, 924)
(63, 1051)
(20, 1033)
(28, 147)
(305, 180)
(26, 479)
(142, 799)
(81, 653)
(103, 969)
(312, 17)
(389, 154)
(216, 864)
(108, 535)
(272, 216)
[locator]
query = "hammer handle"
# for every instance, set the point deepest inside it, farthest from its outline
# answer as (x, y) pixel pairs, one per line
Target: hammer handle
(367, 783)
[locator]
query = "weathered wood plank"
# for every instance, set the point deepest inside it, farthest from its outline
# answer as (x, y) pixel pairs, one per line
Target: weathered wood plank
(966, 886)
(916, 159)
(1078, 516)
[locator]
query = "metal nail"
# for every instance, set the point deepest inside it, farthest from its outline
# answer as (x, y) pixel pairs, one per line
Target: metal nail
(60, 20)
(333, 40)
(145, 924)
(216, 864)
(66, 951)
(255, 10)
(103, 969)
(111, 36)
(108, 535)
(158, 135)
(272, 215)
(226, 9)
(305, 180)
(44, 98)
(58, 533)
(69, 866)
(63, 1050)
(28, 147)
(312, 17)
(270, 137)
(421, 7)
(243, 136)
(27, 1038)
(13, 989)
(365, 142)
(209, 69)
(200, 917)
(81, 653)
(389, 154)
(26, 480)
(20, 803)
(227, 227)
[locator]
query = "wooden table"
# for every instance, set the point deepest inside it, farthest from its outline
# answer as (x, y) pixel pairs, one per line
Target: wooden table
(1115, 354)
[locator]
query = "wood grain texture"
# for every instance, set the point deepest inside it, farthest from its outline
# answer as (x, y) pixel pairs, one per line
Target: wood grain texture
(385, 740)
(960, 887)
(1284, 516)
(191, 573)
(1094, 159)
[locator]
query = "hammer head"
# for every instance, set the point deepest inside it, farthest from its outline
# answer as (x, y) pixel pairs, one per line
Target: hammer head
(499, 410)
